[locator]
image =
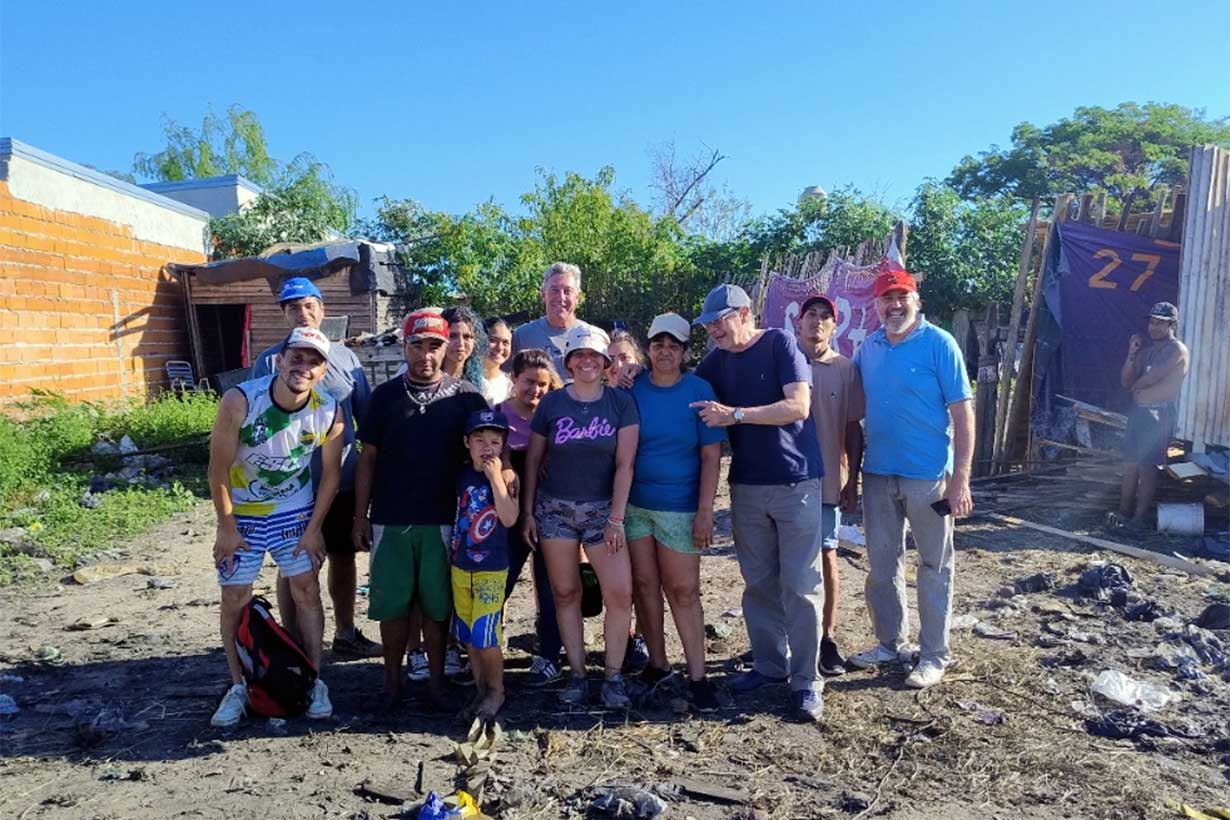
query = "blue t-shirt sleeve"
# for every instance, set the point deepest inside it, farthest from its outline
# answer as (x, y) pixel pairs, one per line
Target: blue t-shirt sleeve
(792, 364)
(950, 369)
(705, 433)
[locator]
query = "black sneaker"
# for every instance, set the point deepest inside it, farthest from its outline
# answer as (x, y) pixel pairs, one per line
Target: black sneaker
(636, 657)
(702, 696)
(356, 646)
(831, 662)
(651, 677)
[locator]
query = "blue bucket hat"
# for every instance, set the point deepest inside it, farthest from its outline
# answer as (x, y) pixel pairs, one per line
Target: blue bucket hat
(720, 301)
(298, 287)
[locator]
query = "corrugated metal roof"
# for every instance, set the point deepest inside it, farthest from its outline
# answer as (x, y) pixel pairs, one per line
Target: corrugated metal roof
(1204, 300)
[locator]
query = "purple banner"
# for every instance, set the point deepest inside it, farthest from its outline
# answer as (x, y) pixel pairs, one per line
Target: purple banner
(1107, 282)
(852, 289)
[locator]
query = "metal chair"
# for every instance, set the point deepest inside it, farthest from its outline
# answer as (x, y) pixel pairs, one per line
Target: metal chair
(182, 379)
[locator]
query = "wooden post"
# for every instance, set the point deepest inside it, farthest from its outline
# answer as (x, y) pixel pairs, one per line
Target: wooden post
(1018, 417)
(1127, 210)
(1155, 225)
(1085, 214)
(1014, 328)
(984, 401)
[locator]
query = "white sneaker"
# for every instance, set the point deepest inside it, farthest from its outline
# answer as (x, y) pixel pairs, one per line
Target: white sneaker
(232, 708)
(877, 655)
(452, 662)
(416, 666)
(321, 707)
(925, 675)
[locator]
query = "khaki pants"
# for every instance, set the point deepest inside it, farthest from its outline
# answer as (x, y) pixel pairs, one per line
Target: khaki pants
(777, 541)
(888, 502)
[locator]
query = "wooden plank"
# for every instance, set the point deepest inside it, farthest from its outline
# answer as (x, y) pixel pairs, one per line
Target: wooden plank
(1123, 549)
(1085, 214)
(1155, 224)
(1014, 328)
(1127, 210)
(1175, 232)
(1018, 416)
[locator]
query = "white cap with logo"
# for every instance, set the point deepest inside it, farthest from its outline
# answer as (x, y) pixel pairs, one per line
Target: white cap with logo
(308, 337)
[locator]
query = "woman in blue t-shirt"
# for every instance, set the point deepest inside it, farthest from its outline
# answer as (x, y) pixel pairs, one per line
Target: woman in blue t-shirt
(669, 521)
(583, 439)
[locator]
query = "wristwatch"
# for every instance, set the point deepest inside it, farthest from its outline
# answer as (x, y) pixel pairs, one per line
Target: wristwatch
(738, 415)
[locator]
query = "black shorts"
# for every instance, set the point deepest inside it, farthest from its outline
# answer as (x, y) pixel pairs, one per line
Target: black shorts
(338, 523)
(1148, 434)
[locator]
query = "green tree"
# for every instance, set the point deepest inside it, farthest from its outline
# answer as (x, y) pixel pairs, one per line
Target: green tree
(968, 251)
(1122, 150)
(234, 145)
(300, 202)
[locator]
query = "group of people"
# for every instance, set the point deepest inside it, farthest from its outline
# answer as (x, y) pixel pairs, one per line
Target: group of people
(596, 461)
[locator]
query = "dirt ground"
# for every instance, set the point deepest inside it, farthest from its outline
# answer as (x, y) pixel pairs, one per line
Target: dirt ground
(114, 720)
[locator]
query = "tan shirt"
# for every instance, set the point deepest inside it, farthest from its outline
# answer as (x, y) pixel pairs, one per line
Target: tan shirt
(836, 399)
(1170, 355)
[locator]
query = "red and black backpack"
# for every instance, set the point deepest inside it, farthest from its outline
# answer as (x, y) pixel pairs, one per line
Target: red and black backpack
(277, 671)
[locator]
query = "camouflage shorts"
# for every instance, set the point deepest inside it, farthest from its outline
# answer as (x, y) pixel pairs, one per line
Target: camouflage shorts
(581, 521)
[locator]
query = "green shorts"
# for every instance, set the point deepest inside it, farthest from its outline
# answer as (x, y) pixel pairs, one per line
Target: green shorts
(409, 565)
(673, 530)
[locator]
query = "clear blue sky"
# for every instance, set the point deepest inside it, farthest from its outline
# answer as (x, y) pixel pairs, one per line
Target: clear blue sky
(452, 107)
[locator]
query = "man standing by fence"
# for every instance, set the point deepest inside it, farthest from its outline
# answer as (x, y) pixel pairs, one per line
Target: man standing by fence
(915, 384)
(836, 408)
(763, 386)
(1154, 374)
(346, 381)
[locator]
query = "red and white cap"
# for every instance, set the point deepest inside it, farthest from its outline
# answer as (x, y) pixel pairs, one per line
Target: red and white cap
(424, 324)
(308, 337)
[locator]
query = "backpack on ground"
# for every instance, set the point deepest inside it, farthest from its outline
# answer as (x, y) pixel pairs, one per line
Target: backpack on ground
(277, 671)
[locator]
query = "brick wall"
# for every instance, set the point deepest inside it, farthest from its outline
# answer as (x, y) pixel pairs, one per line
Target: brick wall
(86, 308)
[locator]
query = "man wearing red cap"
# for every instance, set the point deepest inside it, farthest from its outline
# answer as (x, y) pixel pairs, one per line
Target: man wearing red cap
(412, 455)
(916, 386)
(836, 408)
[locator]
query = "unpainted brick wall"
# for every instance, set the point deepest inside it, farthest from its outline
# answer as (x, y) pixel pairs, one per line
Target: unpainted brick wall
(86, 309)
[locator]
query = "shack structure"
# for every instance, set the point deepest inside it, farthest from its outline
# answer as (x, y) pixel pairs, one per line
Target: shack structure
(232, 310)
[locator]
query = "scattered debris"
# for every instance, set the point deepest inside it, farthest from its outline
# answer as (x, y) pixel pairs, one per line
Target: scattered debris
(625, 802)
(1040, 582)
(718, 631)
(1215, 616)
(162, 583)
(1106, 582)
(96, 622)
(711, 791)
(985, 630)
(1125, 691)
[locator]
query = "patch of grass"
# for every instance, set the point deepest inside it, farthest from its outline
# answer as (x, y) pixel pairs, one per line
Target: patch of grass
(46, 465)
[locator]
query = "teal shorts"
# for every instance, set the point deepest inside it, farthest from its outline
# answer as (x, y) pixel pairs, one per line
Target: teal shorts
(673, 530)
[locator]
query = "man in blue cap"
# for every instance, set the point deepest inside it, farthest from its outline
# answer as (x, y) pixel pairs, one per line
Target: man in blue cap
(346, 381)
(763, 384)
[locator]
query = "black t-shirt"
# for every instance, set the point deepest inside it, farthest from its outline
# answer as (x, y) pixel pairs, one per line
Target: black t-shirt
(418, 435)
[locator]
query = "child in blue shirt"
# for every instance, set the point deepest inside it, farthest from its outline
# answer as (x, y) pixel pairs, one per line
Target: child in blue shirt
(479, 555)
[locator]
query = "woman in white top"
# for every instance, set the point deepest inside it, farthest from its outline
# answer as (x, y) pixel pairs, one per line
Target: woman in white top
(499, 348)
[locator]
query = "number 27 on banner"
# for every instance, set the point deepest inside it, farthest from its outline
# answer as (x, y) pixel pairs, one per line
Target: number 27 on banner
(1101, 278)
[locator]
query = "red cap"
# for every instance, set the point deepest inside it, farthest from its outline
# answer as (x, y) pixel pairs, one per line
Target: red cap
(424, 324)
(894, 277)
(811, 300)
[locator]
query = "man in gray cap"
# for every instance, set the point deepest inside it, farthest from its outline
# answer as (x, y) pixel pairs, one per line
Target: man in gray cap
(763, 384)
(1154, 373)
(345, 380)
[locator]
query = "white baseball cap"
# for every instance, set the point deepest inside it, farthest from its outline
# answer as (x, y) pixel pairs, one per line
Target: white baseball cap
(673, 325)
(308, 337)
(587, 337)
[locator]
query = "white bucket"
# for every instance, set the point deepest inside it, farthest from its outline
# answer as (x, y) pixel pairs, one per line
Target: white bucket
(1180, 519)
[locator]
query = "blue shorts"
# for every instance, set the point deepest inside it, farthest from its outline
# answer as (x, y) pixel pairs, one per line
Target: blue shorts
(830, 523)
(277, 534)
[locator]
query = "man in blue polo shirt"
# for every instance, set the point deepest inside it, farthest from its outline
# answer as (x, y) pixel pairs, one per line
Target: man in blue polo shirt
(915, 385)
(763, 386)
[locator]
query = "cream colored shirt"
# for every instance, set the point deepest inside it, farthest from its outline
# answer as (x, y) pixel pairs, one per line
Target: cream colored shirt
(836, 400)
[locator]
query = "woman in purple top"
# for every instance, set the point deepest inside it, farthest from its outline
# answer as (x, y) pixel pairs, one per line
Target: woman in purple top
(583, 441)
(533, 376)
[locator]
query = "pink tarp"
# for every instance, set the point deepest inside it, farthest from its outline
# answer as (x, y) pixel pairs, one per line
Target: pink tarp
(851, 287)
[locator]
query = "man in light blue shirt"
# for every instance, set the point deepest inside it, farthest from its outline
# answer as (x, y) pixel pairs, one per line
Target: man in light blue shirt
(916, 386)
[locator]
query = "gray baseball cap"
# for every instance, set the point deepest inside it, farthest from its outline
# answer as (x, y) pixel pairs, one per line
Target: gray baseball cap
(720, 301)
